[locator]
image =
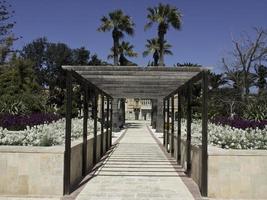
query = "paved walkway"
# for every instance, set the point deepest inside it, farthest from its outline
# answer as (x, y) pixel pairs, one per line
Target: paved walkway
(137, 169)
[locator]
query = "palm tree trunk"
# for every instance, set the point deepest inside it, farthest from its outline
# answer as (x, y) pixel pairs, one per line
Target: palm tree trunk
(161, 53)
(115, 46)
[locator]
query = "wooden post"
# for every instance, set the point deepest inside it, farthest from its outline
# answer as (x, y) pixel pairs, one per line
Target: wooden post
(164, 122)
(102, 124)
(172, 124)
(111, 112)
(168, 125)
(67, 155)
(189, 121)
(85, 120)
(204, 171)
(107, 124)
(95, 127)
(179, 128)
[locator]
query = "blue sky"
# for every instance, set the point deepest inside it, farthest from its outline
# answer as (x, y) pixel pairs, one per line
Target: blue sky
(207, 29)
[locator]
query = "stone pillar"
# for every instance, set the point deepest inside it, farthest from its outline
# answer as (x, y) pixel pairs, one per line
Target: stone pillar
(115, 115)
(122, 112)
(159, 124)
(154, 113)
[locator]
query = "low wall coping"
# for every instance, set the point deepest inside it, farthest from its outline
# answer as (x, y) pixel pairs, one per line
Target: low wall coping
(217, 151)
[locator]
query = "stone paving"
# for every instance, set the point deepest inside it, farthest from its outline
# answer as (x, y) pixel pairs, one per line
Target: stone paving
(136, 169)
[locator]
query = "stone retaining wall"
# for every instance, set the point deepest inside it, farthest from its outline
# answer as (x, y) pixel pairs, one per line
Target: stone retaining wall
(232, 174)
(39, 171)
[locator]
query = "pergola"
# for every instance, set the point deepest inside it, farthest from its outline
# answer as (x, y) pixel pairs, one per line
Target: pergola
(155, 83)
(136, 82)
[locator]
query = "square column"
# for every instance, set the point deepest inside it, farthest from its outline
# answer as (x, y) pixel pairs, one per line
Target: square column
(159, 124)
(115, 115)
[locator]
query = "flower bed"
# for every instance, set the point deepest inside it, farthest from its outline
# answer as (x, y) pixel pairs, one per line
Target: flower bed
(20, 122)
(240, 123)
(44, 134)
(225, 136)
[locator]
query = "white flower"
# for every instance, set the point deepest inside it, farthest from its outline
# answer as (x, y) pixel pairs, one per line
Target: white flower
(227, 137)
(45, 134)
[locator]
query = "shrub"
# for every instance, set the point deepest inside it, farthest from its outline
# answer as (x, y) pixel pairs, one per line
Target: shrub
(20, 122)
(239, 123)
(256, 109)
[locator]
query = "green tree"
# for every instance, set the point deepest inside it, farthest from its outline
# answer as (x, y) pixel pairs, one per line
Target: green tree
(153, 47)
(57, 54)
(81, 56)
(19, 90)
(125, 48)
(36, 52)
(165, 16)
(6, 25)
(119, 24)
(216, 80)
(261, 74)
(236, 79)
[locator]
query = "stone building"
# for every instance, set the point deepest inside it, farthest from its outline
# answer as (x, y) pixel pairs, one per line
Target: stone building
(138, 109)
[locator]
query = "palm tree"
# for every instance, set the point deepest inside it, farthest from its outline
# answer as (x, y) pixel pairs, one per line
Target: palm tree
(236, 79)
(118, 23)
(153, 46)
(125, 49)
(164, 16)
(216, 80)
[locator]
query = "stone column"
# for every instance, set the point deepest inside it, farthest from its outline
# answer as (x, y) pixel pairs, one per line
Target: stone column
(159, 124)
(154, 113)
(115, 115)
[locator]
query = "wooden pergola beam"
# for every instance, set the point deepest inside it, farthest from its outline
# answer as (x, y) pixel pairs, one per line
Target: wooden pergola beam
(194, 79)
(132, 68)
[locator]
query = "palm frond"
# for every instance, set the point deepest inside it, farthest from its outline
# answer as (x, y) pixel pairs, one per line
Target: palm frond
(106, 24)
(146, 53)
(168, 52)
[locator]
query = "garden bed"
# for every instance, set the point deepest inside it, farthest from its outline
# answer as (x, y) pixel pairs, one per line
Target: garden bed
(228, 137)
(237, 159)
(47, 134)
(39, 171)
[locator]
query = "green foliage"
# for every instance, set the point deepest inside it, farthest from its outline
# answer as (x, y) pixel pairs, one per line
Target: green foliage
(36, 52)
(81, 56)
(165, 16)
(46, 140)
(261, 74)
(19, 91)
(6, 25)
(119, 24)
(125, 48)
(187, 64)
(256, 108)
(153, 46)
(225, 102)
(216, 80)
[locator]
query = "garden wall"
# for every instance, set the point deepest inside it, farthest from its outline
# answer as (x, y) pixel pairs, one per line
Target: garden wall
(38, 171)
(235, 174)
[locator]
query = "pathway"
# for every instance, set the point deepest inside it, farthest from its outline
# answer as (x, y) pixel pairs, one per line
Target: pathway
(137, 169)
